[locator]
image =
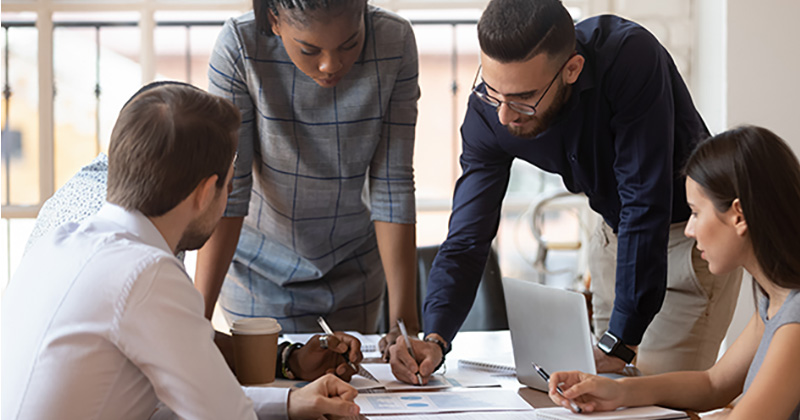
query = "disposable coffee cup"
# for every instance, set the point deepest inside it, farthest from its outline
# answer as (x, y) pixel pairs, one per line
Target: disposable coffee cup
(255, 344)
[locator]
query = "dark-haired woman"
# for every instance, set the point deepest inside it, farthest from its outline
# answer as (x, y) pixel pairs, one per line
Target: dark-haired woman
(743, 187)
(324, 189)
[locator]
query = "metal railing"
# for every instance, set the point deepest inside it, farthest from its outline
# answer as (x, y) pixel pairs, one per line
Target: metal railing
(100, 25)
(13, 211)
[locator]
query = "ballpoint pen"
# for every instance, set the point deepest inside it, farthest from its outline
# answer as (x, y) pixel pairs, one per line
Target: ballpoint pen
(408, 344)
(546, 377)
(359, 370)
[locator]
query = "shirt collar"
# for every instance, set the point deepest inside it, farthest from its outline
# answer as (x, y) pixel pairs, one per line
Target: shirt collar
(586, 78)
(136, 223)
(585, 81)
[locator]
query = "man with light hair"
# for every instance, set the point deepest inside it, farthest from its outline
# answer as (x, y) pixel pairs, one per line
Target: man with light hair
(101, 319)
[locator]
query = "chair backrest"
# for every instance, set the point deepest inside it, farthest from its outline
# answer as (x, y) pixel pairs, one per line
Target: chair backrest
(488, 313)
(558, 203)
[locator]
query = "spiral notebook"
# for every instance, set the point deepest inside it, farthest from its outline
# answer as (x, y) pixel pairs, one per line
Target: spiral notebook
(640, 413)
(502, 363)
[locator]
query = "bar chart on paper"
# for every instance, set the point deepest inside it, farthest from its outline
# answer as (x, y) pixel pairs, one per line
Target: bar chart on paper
(441, 402)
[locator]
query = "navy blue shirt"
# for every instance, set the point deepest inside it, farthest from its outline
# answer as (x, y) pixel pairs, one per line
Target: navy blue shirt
(621, 139)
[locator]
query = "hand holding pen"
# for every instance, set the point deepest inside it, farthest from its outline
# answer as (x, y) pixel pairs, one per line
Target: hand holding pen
(546, 377)
(324, 339)
(403, 331)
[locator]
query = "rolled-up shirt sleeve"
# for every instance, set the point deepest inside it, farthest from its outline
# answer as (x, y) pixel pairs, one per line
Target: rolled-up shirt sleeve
(644, 174)
(477, 202)
(391, 182)
(227, 78)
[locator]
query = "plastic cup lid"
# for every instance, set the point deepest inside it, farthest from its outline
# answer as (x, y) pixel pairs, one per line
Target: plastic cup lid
(253, 326)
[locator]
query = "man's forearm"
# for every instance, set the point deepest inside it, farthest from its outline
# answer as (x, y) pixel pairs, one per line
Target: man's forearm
(641, 278)
(452, 284)
(214, 258)
(398, 249)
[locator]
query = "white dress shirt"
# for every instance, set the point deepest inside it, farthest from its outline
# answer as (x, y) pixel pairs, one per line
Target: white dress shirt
(101, 321)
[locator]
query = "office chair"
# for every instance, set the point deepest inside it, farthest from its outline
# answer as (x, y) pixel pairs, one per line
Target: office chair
(488, 313)
(561, 201)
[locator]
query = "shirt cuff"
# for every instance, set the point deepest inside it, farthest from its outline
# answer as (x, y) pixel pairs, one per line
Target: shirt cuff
(236, 209)
(269, 403)
(437, 324)
(628, 328)
(399, 210)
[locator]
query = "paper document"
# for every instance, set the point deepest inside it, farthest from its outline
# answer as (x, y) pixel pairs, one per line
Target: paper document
(441, 402)
(383, 372)
(639, 413)
(470, 378)
(361, 383)
(386, 379)
(482, 415)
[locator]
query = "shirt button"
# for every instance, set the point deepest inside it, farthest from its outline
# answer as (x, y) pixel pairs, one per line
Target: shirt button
(573, 158)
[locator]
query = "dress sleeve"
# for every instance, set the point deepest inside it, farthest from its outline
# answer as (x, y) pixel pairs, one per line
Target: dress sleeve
(227, 77)
(391, 169)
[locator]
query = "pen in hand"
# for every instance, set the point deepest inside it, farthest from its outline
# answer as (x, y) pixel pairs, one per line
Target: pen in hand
(546, 377)
(360, 371)
(403, 331)
(329, 331)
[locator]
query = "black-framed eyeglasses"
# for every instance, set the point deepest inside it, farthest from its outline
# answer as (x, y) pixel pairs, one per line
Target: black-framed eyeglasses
(522, 108)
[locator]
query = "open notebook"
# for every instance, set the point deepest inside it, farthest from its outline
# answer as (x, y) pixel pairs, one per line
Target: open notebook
(640, 413)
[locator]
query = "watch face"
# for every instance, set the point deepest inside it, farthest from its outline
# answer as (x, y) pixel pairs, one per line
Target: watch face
(607, 343)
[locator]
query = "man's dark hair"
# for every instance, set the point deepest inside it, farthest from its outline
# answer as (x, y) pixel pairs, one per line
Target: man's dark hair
(518, 30)
(759, 168)
(301, 11)
(168, 138)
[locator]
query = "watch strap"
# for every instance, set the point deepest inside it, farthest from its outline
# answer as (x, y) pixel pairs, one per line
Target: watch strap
(285, 354)
(618, 349)
(441, 345)
(623, 352)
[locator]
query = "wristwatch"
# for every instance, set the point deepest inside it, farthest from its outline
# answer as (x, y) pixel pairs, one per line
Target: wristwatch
(611, 345)
(286, 372)
(442, 345)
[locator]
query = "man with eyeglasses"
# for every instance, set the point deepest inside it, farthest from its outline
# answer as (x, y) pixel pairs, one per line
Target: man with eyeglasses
(602, 104)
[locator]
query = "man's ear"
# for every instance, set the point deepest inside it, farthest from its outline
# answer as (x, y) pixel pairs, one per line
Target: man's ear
(573, 69)
(737, 217)
(205, 192)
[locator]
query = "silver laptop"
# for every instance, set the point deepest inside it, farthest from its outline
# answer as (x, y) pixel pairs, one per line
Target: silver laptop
(549, 326)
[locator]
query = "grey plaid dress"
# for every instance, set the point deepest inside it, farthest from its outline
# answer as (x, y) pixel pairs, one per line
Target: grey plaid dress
(316, 166)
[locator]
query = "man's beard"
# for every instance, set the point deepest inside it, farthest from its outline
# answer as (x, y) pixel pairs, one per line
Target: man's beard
(195, 235)
(544, 119)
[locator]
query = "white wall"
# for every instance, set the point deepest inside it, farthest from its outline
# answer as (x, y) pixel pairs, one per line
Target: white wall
(763, 64)
(746, 59)
(672, 23)
(709, 79)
